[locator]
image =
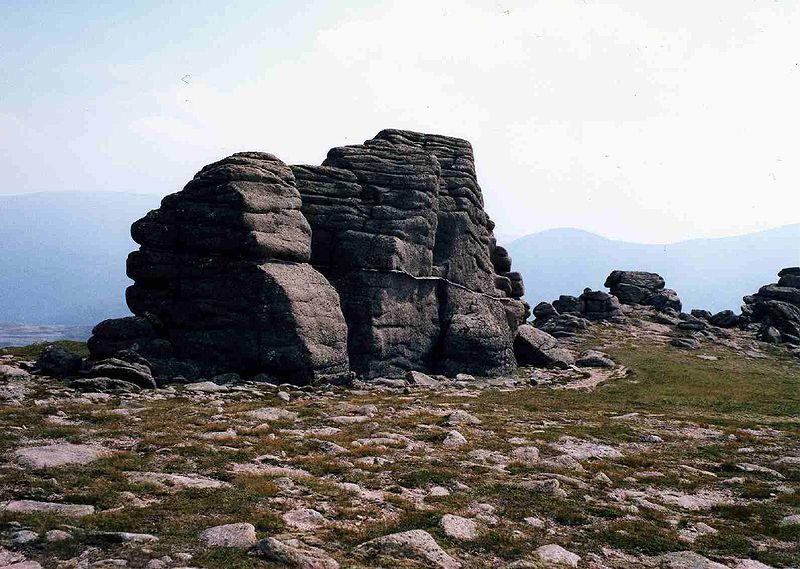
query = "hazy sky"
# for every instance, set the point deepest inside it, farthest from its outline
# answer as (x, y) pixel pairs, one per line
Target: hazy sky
(643, 120)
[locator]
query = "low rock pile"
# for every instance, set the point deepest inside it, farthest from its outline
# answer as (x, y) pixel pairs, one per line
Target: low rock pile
(569, 315)
(775, 309)
(643, 288)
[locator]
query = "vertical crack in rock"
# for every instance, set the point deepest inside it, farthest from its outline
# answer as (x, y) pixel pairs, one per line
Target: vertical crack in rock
(222, 280)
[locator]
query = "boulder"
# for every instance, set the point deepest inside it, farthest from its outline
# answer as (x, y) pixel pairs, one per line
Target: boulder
(775, 308)
(724, 319)
(599, 305)
(58, 361)
(642, 288)
(567, 304)
(538, 348)
(121, 370)
(593, 358)
(543, 312)
(415, 545)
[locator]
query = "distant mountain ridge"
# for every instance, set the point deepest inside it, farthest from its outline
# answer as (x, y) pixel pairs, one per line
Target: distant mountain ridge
(62, 258)
(707, 273)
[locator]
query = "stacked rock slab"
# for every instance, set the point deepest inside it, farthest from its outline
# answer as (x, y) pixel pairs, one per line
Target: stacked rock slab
(222, 281)
(399, 229)
(642, 288)
(776, 308)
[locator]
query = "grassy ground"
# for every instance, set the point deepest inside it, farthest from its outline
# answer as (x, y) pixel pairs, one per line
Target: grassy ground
(711, 416)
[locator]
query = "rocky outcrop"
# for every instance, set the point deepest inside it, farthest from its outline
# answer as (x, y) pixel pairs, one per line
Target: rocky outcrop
(570, 315)
(222, 281)
(382, 260)
(399, 230)
(775, 309)
(643, 288)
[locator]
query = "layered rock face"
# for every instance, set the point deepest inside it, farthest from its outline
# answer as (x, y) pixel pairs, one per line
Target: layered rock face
(776, 308)
(569, 315)
(223, 283)
(643, 288)
(382, 259)
(399, 229)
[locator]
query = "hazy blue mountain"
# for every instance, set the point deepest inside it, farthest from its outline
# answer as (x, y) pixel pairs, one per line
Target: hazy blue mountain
(62, 259)
(62, 255)
(707, 273)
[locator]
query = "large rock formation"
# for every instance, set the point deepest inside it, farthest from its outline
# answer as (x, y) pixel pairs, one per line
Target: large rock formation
(223, 284)
(776, 308)
(234, 273)
(399, 229)
(643, 288)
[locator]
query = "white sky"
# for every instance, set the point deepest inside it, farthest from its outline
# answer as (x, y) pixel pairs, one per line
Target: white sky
(641, 120)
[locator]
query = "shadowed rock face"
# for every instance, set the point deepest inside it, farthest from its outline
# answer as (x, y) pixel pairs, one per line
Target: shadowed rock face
(399, 229)
(640, 287)
(222, 280)
(382, 259)
(776, 307)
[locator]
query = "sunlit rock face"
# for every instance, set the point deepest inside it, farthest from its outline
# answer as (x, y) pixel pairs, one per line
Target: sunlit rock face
(381, 260)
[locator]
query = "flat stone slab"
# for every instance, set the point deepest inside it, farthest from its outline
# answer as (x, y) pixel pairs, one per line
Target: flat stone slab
(230, 535)
(33, 506)
(59, 454)
(273, 414)
(175, 482)
(582, 450)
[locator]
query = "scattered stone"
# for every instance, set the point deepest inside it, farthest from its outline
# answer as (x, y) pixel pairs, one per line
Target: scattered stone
(454, 439)
(304, 519)
(456, 527)
(122, 370)
(535, 522)
(294, 553)
(724, 319)
(273, 414)
(793, 520)
(59, 454)
(420, 379)
(123, 537)
(415, 544)
(23, 536)
(553, 554)
(240, 535)
(206, 387)
(13, 372)
(174, 482)
(685, 343)
(461, 417)
(58, 362)
(526, 455)
(748, 467)
(593, 358)
(57, 535)
(33, 506)
(687, 560)
(582, 450)
(104, 385)
(602, 478)
(536, 347)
